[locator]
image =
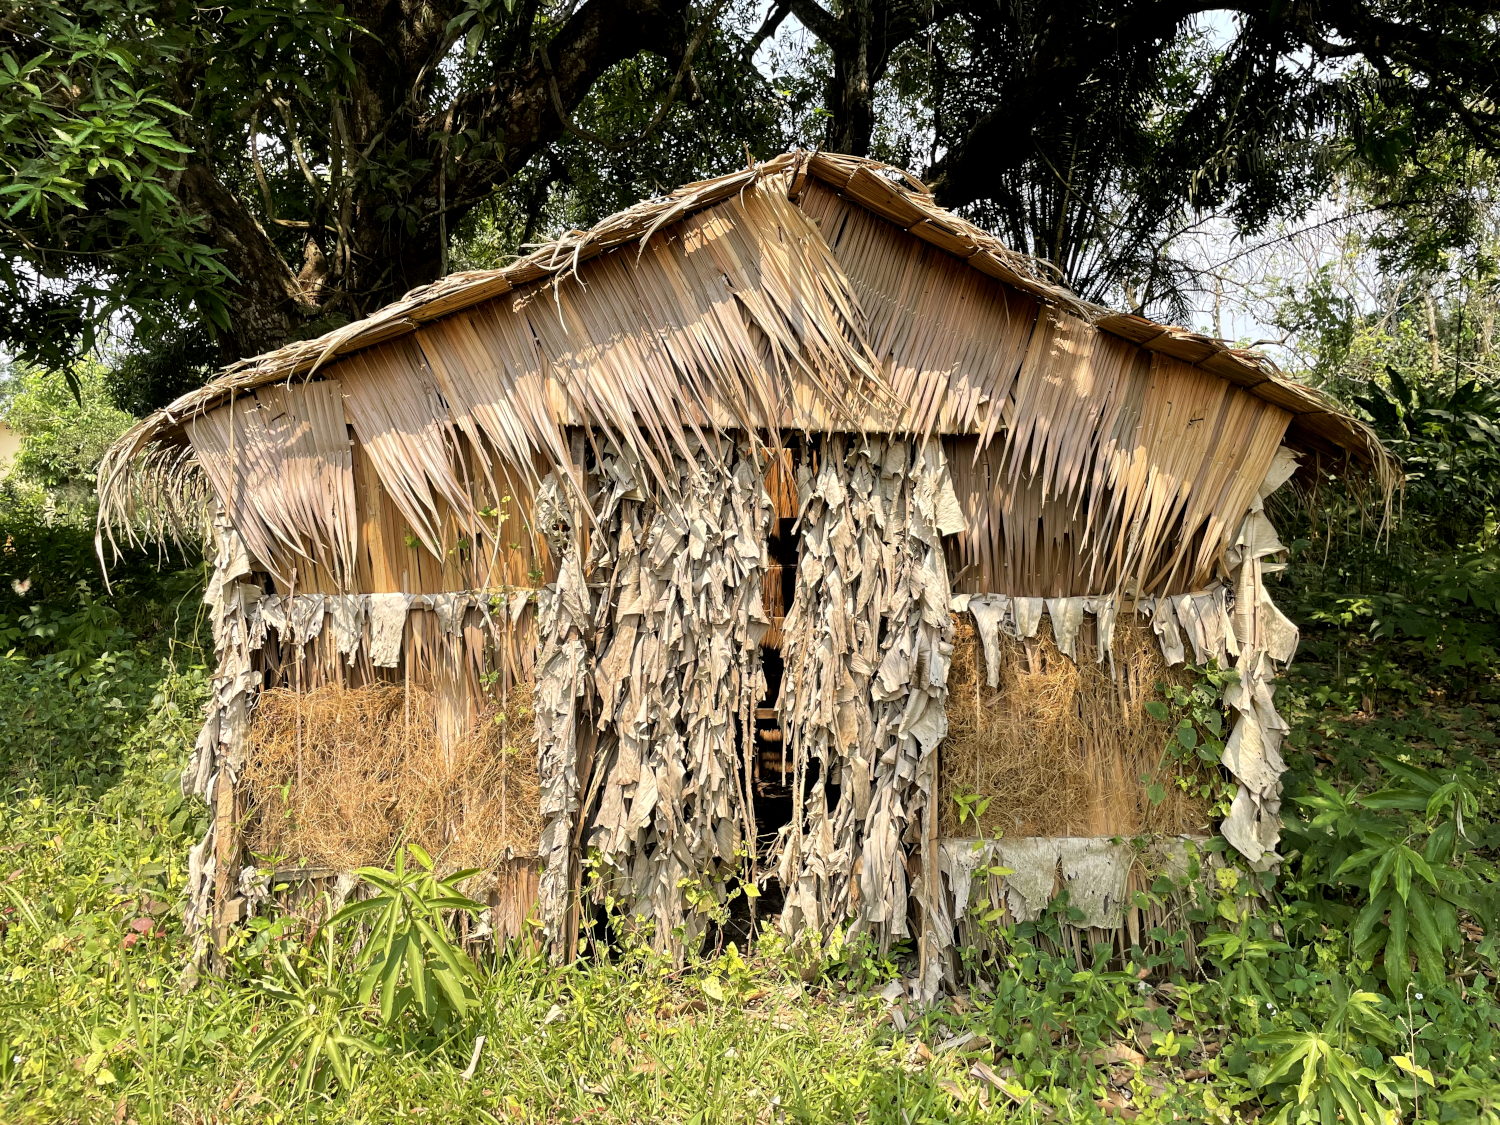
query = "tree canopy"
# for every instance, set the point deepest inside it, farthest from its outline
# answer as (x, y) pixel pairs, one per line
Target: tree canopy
(215, 181)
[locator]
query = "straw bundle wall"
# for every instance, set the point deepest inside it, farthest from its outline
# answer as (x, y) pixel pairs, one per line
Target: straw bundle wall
(338, 777)
(1059, 748)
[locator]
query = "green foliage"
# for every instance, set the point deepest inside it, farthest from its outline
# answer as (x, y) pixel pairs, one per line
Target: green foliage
(1334, 1085)
(1448, 439)
(64, 432)
(88, 220)
(411, 961)
(642, 150)
(154, 371)
(1396, 868)
(314, 1046)
(1194, 717)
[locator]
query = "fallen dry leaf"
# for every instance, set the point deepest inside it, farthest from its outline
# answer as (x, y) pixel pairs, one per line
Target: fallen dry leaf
(984, 1073)
(1117, 1053)
(229, 1098)
(672, 1011)
(1114, 1103)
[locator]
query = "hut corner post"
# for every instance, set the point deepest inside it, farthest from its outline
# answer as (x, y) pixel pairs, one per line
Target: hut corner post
(215, 897)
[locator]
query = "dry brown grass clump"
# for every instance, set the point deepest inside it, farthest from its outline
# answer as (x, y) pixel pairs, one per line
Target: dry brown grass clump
(1059, 748)
(338, 777)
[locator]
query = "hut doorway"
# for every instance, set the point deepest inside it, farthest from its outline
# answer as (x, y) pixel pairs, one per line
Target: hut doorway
(771, 766)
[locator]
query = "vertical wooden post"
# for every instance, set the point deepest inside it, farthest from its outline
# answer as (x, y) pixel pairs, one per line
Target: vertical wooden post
(450, 697)
(930, 888)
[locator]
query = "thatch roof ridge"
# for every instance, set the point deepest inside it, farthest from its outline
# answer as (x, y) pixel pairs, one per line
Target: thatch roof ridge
(884, 190)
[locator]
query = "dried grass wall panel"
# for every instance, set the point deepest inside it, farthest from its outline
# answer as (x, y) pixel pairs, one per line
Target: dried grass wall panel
(1059, 746)
(951, 337)
(279, 459)
(338, 777)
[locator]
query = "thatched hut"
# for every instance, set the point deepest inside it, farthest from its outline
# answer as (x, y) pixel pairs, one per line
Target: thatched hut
(784, 529)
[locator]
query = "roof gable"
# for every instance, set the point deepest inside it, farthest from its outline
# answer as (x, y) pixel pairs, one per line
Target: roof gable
(846, 344)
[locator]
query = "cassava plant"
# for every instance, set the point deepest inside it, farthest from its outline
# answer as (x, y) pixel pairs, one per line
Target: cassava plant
(409, 957)
(319, 1043)
(1331, 1084)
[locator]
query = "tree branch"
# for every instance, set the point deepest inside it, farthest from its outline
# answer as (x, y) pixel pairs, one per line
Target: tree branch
(818, 20)
(531, 107)
(773, 21)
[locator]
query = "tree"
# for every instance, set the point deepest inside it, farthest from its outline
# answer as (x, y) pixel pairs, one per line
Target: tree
(225, 179)
(1086, 132)
(275, 169)
(62, 438)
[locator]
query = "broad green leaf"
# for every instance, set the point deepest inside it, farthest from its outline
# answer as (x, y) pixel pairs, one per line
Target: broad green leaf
(1397, 970)
(1405, 1063)
(1425, 934)
(1369, 917)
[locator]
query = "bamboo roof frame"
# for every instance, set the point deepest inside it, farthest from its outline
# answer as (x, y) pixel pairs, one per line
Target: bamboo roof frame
(1318, 424)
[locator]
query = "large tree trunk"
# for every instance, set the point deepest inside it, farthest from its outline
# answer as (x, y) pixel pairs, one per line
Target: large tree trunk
(862, 37)
(371, 240)
(857, 65)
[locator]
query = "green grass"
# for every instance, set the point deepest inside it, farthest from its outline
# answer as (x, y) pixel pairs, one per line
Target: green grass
(97, 1022)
